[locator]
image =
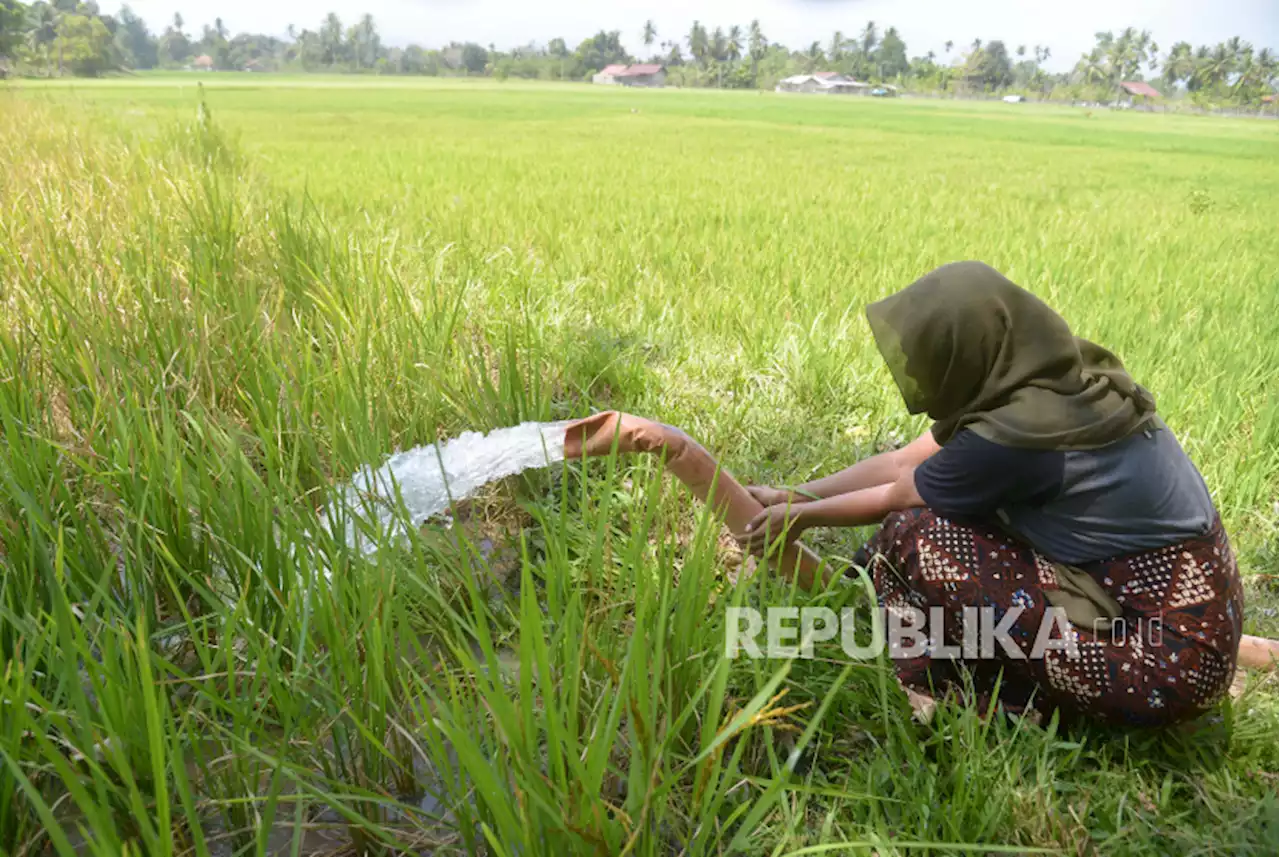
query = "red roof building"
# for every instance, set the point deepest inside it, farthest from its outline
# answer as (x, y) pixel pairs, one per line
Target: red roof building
(640, 74)
(639, 69)
(1143, 90)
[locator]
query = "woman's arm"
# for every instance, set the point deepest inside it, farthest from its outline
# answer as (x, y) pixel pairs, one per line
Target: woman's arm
(863, 506)
(879, 469)
(851, 509)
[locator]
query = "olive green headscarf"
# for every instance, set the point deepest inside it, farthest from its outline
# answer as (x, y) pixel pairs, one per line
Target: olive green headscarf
(975, 351)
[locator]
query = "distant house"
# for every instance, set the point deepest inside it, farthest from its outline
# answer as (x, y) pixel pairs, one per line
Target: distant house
(609, 74)
(1139, 92)
(825, 82)
(640, 74)
(204, 62)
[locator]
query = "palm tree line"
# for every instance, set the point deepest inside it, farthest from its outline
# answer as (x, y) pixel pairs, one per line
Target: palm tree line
(37, 38)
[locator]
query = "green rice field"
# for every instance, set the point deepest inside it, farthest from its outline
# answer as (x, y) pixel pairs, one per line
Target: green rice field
(211, 316)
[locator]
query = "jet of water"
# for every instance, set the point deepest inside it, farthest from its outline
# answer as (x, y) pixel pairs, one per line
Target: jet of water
(426, 478)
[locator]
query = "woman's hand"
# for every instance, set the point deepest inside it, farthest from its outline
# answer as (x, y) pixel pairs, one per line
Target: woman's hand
(768, 496)
(779, 520)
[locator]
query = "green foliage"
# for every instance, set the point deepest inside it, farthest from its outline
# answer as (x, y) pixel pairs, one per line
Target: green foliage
(134, 43)
(13, 17)
(85, 45)
(600, 50)
(987, 68)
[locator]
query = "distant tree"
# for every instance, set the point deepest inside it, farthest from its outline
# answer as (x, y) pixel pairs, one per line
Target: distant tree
(474, 58)
(891, 57)
(755, 45)
(869, 39)
(1115, 59)
(213, 42)
(174, 47)
(836, 51)
(364, 43)
(602, 49)
(1269, 67)
(413, 60)
(649, 34)
(948, 46)
(814, 57)
(42, 32)
(1179, 65)
(331, 41)
(756, 42)
(85, 44)
(1219, 65)
(698, 44)
(13, 21)
(719, 45)
(989, 68)
(733, 48)
(134, 43)
(997, 69)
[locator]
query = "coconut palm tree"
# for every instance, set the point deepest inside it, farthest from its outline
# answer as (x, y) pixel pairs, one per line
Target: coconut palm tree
(1199, 77)
(1267, 67)
(837, 47)
(1179, 65)
(698, 42)
(1093, 68)
(719, 44)
(734, 48)
(948, 46)
(869, 38)
(814, 55)
(1237, 47)
(650, 33)
(1221, 63)
(756, 42)
(756, 45)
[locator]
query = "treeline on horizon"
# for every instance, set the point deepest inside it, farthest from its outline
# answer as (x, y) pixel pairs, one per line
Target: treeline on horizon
(69, 37)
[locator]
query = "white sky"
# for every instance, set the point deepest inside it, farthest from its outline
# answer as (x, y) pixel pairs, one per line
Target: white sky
(1067, 28)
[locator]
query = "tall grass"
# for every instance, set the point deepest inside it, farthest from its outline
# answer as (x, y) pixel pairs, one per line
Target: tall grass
(194, 351)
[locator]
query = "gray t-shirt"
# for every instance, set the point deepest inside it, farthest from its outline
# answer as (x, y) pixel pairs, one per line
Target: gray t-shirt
(1074, 507)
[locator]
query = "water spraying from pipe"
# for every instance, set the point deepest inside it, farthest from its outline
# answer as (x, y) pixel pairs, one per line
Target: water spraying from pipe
(427, 479)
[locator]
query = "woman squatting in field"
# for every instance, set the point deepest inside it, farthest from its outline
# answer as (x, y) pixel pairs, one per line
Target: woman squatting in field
(1047, 480)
